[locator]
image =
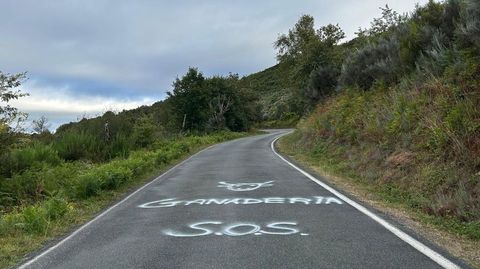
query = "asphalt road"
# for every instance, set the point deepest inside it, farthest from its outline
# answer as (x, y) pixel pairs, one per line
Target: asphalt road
(200, 215)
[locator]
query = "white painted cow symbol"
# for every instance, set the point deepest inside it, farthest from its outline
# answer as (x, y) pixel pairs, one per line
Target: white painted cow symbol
(244, 186)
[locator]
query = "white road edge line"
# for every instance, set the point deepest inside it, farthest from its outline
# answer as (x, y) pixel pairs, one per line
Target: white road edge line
(28, 263)
(435, 256)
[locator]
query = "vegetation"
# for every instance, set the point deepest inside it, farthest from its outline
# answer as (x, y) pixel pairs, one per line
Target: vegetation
(52, 195)
(405, 113)
(210, 103)
(275, 101)
(51, 182)
(397, 108)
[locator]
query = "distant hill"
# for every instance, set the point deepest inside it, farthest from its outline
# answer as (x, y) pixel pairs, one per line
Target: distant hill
(276, 95)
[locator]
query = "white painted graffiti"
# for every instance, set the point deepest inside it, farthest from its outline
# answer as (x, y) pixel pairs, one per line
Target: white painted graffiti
(244, 186)
(314, 200)
(237, 229)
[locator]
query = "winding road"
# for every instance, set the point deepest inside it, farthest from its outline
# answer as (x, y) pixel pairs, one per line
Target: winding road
(240, 204)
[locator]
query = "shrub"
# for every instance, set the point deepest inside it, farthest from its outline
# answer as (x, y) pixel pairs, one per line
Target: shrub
(35, 155)
(143, 133)
(113, 176)
(86, 185)
(55, 207)
(162, 157)
(120, 146)
(468, 31)
(322, 82)
(34, 220)
(435, 60)
(375, 61)
(73, 146)
(9, 222)
(25, 187)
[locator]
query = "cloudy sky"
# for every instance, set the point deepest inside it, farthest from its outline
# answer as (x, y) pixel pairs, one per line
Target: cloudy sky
(87, 57)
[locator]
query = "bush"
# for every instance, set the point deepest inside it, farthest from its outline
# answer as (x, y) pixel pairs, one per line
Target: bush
(86, 185)
(55, 207)
(73, 146)
(468, 31)
(322, 82)
(22, 188)
(162, 157)
(113, 176)
(34, 185)
(375, 61)
(144, 133)
(33, 156)
(34, 220)
(120, 146)
(9, 222)
(106, 177)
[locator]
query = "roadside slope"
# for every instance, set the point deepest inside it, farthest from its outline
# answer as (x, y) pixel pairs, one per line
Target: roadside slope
(419, 145)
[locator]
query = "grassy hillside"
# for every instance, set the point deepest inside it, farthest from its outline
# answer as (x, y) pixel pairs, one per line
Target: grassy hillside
(276, 96)
(405, 115)
(420, 146)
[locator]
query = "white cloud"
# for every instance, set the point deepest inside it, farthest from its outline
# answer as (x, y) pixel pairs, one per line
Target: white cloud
(60, 105)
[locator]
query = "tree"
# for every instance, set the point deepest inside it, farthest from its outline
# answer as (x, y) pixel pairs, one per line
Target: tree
(41, 126)
(8, 84)
(189, 100)
(209, 103)
(297, 41)
(9, 116)
(330, 34)
(314, 56)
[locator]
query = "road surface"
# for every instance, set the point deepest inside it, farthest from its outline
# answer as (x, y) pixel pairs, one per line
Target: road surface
(240, 205)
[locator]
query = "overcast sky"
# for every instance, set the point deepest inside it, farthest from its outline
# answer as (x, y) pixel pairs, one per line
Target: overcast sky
(87, 57)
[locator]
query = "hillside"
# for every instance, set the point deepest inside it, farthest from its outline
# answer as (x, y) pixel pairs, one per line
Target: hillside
(275, 92)
(404, 116)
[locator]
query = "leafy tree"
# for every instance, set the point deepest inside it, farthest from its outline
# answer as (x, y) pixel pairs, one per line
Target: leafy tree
(297, 41)
(304, 45)
(8, 92)
(9, 115)
(330, 34)
(209, 103)
(189, 100)
(315, 59)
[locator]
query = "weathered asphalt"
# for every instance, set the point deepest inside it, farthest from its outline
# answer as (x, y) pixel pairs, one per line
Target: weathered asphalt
(264, 229)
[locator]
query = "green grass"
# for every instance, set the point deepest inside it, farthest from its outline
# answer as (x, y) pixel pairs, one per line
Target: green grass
(73, 193)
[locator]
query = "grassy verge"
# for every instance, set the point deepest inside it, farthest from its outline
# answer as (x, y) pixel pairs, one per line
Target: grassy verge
(460, 238)
(78, 190)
